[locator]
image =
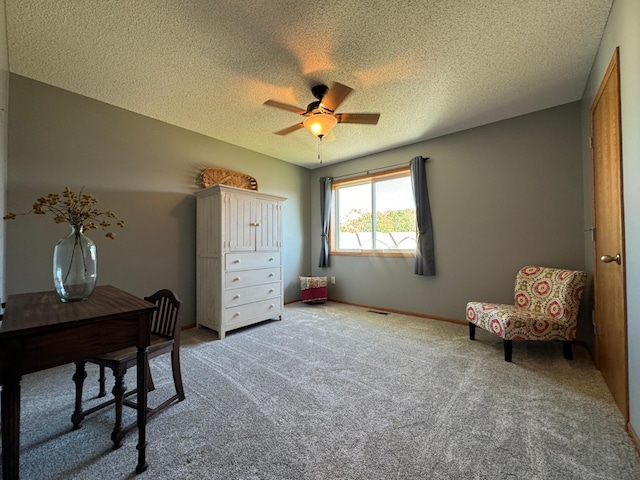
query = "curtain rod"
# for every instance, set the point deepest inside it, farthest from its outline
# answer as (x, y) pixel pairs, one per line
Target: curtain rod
(372, 170)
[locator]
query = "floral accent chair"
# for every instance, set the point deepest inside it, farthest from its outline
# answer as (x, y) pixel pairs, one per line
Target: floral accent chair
(546, 307)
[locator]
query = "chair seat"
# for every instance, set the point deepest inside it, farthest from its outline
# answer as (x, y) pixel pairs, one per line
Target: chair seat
(511, 322)
(158, 343)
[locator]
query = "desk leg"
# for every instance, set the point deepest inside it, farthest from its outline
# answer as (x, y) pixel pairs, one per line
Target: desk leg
(11, 430)
(78, 379)
(142, 409)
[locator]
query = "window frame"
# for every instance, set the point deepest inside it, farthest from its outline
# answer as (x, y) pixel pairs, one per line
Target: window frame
(333, 227)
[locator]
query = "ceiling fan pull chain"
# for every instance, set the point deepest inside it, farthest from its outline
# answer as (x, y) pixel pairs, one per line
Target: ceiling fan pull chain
(320, 149)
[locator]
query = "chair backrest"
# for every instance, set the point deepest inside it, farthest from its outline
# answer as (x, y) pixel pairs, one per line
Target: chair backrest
(552, 291)
(165, 318)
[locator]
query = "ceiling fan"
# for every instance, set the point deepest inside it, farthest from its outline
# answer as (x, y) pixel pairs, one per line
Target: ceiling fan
(321, 116)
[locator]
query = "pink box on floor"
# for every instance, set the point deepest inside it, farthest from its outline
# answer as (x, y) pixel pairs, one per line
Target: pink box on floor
(313, 289)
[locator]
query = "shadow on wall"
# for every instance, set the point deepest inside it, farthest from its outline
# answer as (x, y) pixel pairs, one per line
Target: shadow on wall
(585, 332)
(156, 248)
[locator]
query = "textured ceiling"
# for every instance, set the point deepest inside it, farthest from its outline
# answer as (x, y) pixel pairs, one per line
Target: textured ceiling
(429, 67)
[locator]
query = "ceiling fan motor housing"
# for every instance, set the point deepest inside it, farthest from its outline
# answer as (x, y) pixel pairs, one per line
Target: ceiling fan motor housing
(312, 107)
(319, 91)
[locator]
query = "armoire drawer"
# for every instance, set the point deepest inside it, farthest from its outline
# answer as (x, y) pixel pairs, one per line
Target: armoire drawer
(243, 261)
(247, 278)
(240, 296)
(244, 313)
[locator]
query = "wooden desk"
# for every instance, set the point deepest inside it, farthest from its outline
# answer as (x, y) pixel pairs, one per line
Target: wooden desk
(38, 331)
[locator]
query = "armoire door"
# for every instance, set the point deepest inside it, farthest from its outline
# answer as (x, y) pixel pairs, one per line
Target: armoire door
(267, 222)
(239, 223)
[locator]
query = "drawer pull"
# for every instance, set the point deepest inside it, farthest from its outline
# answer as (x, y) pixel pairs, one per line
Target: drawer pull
(236, 261)
(271, 274)
(237, 279)
(271, 306)
(271, 259)
(271, 290)
(256, 224)
(237, 314)
(236, 296)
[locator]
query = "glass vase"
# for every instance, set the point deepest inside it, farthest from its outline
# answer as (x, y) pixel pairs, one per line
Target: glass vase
(75, 266)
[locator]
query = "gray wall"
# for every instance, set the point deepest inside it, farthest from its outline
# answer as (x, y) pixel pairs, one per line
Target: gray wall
(622, 30)
(503, 195)
(4, 108)
(144, 170)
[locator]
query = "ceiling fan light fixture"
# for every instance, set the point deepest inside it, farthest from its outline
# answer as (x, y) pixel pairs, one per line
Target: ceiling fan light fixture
(320, 124)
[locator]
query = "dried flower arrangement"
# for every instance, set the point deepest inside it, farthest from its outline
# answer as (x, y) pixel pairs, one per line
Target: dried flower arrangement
(76, 209)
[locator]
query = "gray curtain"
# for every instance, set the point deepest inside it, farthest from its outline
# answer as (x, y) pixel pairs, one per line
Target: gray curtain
(326, 199)
(425, 262)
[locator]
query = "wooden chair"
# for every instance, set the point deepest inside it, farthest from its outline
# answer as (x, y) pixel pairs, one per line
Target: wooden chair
(165, 337)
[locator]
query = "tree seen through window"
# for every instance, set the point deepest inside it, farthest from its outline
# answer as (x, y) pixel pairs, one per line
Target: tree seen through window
(393, 227)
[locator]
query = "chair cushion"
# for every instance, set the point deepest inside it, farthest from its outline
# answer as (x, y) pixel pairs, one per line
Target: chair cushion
(515, 323)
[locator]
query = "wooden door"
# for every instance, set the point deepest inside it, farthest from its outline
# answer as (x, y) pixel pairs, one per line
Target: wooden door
(609, 282)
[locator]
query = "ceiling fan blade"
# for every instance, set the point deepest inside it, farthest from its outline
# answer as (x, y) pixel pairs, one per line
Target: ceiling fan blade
(290, 129)
(335, 96)
(285, 106)
(365, 118)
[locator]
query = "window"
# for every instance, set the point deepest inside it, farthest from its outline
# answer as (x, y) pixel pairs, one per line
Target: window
(374, 215)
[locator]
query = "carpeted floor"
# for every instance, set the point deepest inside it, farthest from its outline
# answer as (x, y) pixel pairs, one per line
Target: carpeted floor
(336, 392)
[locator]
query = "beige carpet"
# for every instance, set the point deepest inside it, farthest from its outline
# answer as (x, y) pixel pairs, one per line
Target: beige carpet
(336, 392)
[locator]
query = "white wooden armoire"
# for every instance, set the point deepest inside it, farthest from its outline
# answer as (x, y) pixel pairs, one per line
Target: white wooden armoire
(239, 258)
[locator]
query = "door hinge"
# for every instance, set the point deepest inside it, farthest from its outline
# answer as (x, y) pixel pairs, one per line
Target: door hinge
(591, 141)
(592, 231)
